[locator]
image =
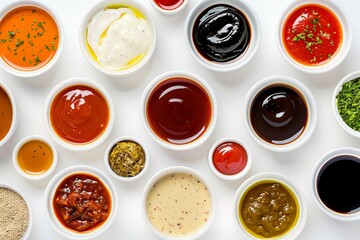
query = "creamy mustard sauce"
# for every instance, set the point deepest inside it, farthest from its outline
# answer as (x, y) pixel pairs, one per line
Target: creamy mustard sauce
(178, 204)
(118, 37)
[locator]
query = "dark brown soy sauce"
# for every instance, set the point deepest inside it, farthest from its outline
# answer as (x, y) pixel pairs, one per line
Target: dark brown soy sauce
(338, 184)
(279, 114)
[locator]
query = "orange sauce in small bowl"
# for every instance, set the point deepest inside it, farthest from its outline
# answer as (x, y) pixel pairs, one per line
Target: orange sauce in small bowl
(6, 113)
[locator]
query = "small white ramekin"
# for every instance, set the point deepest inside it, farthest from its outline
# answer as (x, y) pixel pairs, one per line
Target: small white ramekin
(131, 139)
(309, 101)
(15, 117)
(150, 87)
(29, 74)
(16, 162)
(68, 83)
(165, 172)
(112, 3)
(238, 175)
(338, 88)
(254, 43)
(50, 211)
(346, 43)
(169, 12)
(315, 174)
(273, 177)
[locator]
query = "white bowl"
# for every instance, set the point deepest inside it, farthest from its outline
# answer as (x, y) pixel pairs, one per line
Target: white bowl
(15, 116)
(309, 101)
(315, 173)
(154, 180)
(22, 172)
(174, 11)
(83, 36)
(345, 46)
(254, 43)
(108, 150)
(30, 223)
(27, 74)
(57, 90)
(261, 177)
(200, 140)
(338, 88)
(49, 208)
(236, 176)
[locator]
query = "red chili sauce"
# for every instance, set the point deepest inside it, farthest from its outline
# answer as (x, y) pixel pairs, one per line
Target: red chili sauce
(230, 158)
(179, 110)
(82, 202)
(79, 114)
(169, 4)
(312, 35)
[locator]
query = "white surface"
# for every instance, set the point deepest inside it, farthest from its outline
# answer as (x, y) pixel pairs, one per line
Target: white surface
(230, 88)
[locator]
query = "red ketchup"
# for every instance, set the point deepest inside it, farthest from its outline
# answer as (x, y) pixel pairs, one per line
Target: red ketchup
(169, 4)
(230, 158)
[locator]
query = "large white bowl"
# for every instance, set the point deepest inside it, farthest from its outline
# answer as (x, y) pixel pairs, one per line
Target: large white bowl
(49, 208)
(309, 101)
(27, 74)
(83, 36)
(68, 83)
(254, 43)
(345, 46)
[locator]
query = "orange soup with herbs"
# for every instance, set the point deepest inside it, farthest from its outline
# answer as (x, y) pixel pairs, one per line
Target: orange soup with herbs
(29, 38)
(6, 114)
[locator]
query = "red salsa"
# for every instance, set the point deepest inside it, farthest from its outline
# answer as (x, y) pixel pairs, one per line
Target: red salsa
(179, 110)
(169, 4)
(79, 114)
(82, 202)
(230, 158)
(312, 34)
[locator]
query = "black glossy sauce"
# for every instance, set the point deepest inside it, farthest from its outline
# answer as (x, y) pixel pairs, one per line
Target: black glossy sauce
(279, 114)
(221, 33)
(338, 184)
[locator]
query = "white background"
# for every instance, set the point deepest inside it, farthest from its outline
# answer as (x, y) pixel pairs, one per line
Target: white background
(230, 88)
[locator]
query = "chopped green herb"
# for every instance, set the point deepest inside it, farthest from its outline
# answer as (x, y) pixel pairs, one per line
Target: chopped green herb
(37, 60)
(53, 48)
(314, 21)
(28, 35)
(318, 40)
(329, 55)
(2, 40)
(19, 43)
(40, 34)
(24, 58)
(33, 11)
(328, 25)
(41, 26)
(47, 47)
(22, 19)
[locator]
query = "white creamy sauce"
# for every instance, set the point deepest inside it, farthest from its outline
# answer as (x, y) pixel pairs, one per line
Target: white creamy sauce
(117, 36)
(179, 204)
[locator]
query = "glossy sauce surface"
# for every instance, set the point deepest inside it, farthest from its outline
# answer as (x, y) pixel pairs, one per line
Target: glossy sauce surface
(179, 110)
(79, 114)
(221, 33)
(82, 202)
(312, 35)
(6, 113)
(338, 184)
(279, 114)
(230, 158)
(35, 157)
(169, 4)
(29, 38)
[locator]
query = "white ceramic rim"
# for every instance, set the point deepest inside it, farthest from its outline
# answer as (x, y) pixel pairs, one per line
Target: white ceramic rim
(82, 37)
(345, 46)
(157, 177)
(200, 140)
(295, 232)
(30, 223)
(15, 117)
(309, 100)
(49, 65)
(255, 26)
(169, 12)
(338, 88)
(16, 163)
(71, 82)
(132, 139)
(315, 173)
(50, 191)
(236, 176)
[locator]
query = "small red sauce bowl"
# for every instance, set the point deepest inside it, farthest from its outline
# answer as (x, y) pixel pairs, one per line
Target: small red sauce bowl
(169, 7)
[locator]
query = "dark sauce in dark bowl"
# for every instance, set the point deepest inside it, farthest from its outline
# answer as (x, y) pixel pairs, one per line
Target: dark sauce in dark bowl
(279, 114)
(221, 33)
(337, 184)
(179, 110)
